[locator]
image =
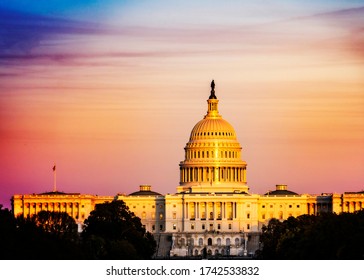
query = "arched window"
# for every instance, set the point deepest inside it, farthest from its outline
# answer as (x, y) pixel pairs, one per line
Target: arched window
(200, 242)
(227, 241)
(209, 241)
(237, 243)
(219, 242)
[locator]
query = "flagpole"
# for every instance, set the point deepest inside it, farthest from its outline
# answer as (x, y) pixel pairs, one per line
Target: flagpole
(54, 178)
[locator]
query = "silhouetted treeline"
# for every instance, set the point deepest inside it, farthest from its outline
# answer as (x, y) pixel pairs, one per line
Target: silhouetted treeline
(327, 236)
(54, 235)
(112, 231)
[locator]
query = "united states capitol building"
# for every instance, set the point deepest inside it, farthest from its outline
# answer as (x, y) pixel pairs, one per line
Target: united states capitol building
(212, 212)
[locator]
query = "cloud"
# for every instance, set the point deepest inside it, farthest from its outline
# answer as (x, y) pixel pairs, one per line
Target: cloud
(21, 32)
(30, 38)
(350, 23)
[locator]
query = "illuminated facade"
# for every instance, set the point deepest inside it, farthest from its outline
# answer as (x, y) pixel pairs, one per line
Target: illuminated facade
(78, 206)
(212, 212)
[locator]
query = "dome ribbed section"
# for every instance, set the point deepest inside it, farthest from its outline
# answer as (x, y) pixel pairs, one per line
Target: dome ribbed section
(213, 128)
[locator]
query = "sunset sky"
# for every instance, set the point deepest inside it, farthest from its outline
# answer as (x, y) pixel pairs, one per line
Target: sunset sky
(110, 91)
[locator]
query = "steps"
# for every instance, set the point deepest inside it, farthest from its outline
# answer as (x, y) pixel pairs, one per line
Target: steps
(164, 244)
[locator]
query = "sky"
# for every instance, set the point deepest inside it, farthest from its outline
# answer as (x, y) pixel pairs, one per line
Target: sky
(109, 91)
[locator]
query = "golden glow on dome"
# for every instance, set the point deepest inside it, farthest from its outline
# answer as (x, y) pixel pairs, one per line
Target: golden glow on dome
(213, 129)
(213, 153)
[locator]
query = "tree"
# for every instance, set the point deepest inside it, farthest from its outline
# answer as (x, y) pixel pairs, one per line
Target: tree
(112, 231)
(56, 223)
(7, 233)
(307, 237)
(48, 235)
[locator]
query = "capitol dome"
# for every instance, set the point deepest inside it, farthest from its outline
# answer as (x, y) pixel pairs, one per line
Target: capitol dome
(213, 128)
(213, 153)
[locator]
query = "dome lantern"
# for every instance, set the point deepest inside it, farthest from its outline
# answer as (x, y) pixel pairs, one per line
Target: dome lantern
(212, 102)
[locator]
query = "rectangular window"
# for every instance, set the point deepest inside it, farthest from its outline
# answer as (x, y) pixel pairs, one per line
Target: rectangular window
(218, 226)
(174, 215)
(174, 226)
(229, 226)
(153, 227)
(248, 226)
(203, 226)
(248, 216)
(203, 216)
(263, 216)
(192, 226)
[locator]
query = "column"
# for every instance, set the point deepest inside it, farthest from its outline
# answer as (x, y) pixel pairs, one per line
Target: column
(214, 210)
(224, 210)
(233, 209)
(198, 210)
(195, 210)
